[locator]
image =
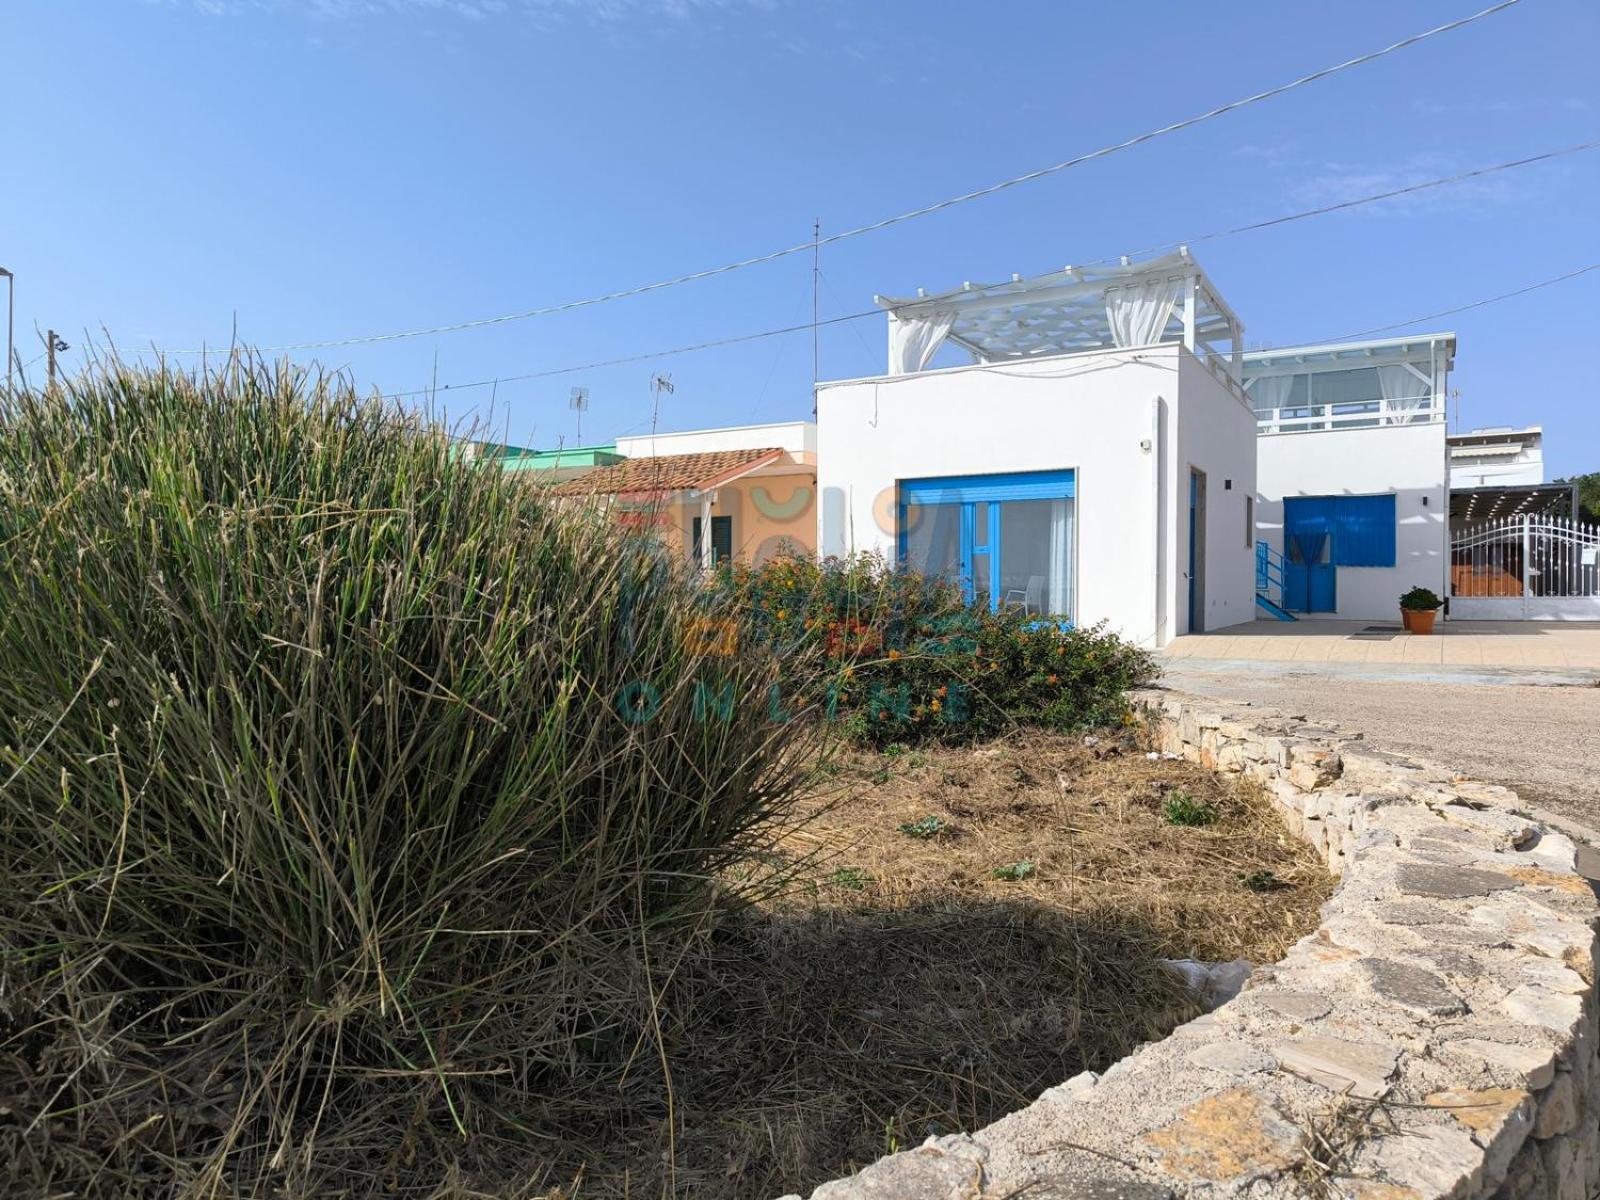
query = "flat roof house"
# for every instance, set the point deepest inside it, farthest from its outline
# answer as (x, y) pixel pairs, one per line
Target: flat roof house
(1095, 461)
(1352, 472)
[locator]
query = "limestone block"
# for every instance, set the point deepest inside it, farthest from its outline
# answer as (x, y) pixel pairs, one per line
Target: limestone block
(1233, 1137)
(1534, 1005)
(1532, 1066)
(1438, 1161)
(1566, 1167)
(1364, 1068)
(1559, 1108)
(927, 1173)
(1498, 1118)
(1410, 987)
(1234, 1058)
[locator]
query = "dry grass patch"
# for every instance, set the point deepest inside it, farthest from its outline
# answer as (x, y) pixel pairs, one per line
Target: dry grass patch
(919, 979)
(1074, 825)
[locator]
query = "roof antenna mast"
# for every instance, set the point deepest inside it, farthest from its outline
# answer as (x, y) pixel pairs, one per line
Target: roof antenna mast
(578, 402)
(816, 279)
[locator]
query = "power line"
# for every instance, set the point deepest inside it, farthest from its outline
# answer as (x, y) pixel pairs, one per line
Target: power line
(912, 214)
(1449, 312)
(633, 358)
(749, 337)
(1331, 208)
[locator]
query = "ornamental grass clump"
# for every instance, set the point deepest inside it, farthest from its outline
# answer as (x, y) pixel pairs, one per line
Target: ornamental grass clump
(356, 802)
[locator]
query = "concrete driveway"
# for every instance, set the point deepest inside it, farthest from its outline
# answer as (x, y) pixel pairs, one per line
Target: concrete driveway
(1500, 700)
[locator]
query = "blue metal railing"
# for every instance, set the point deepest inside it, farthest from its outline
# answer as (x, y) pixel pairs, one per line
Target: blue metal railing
(1269, 573)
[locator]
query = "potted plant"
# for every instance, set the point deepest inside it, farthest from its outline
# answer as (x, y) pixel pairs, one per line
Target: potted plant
(1418, 608)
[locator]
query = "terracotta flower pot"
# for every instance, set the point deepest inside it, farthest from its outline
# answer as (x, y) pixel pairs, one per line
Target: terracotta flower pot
(1418, 620)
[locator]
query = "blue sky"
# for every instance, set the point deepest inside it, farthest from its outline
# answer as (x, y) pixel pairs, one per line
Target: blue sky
(331, 168)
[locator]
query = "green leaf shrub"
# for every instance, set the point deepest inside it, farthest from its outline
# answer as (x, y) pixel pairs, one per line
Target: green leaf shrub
(906, 660)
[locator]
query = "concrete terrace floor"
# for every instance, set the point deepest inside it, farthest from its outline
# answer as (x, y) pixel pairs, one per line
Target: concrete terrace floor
(1509, 702)
(1555, 646)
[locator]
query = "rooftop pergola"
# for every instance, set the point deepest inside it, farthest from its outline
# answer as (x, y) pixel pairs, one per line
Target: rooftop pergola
(1160, 300)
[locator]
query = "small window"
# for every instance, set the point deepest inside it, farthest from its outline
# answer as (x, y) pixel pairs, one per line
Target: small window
(1249, 522)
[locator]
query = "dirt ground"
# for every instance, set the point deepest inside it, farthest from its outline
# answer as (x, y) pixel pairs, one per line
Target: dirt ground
(1082, 822)
(962, 929)
(1539, 740)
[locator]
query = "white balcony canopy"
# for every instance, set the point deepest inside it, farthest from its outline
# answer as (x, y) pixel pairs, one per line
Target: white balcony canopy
(1166, 299)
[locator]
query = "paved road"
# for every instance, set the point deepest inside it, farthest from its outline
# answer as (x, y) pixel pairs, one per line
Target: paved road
(1542, 741)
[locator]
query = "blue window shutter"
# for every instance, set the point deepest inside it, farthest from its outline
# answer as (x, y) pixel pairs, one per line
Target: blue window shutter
(1362, 527)
(968, 489)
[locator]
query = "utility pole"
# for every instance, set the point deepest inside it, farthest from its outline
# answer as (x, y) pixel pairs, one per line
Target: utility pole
(53, 345)
(11, 313)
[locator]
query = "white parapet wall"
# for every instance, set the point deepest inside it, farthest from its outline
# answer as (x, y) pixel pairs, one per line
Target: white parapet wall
(1435, 1039)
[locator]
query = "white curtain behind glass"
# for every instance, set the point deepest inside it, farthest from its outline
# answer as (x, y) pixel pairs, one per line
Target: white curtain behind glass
(1400, 389)
(1138, 313)
(1268, 392)
(1059, 598)
(913, 341)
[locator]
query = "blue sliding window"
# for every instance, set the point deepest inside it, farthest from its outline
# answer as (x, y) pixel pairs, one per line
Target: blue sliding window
(1360, 529)
(1007, 539)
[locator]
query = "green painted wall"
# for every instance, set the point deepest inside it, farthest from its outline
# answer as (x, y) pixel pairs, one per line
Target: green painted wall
(521, 458)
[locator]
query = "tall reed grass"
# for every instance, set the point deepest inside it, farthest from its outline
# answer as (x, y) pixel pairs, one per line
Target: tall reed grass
(355, 802)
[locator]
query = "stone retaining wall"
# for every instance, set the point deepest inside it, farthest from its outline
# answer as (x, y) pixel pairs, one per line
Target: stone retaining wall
(1436, 1037)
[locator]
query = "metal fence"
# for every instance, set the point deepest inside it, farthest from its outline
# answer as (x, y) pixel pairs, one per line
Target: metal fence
(1531, 558)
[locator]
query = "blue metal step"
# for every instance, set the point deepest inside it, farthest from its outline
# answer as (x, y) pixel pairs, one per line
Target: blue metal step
(1272, 609)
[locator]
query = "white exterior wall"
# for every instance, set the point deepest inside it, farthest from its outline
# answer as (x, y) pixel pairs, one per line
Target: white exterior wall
(1217, 435)
(1406, 460)
(797, 437)
(1120, 419)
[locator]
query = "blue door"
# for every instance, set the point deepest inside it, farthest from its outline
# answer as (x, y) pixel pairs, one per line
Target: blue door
(1310, 582)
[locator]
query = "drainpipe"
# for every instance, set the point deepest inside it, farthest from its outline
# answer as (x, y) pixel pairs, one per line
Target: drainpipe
(1153, 448)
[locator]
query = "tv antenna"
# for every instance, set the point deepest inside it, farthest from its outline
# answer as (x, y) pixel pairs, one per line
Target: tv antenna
(578, 402)
(659, 383)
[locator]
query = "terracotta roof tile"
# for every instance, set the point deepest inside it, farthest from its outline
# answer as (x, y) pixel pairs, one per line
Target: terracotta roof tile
(666, 472)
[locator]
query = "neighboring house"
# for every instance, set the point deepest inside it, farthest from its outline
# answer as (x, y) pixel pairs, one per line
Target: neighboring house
(745, 492)
(1095, 462)
(559, 464)
(1496, 457)
(1498, 473)
(1352, 472)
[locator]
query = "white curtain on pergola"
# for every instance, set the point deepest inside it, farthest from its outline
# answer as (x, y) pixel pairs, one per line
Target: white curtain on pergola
(1138, 313)
(913, 341)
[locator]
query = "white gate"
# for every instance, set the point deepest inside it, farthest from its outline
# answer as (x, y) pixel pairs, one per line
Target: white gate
(1530, 568)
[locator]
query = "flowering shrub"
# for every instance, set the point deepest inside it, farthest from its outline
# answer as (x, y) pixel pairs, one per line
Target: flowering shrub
(907, 659)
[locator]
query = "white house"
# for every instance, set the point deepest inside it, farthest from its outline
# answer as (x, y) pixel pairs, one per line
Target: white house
(1096, 461)
(1496, 457)
(1352, 473)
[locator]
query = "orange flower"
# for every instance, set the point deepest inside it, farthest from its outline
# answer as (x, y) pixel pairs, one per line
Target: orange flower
(883, 714)
(944, 690)
(1053, 679)
(894, 654)
(935, 706)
